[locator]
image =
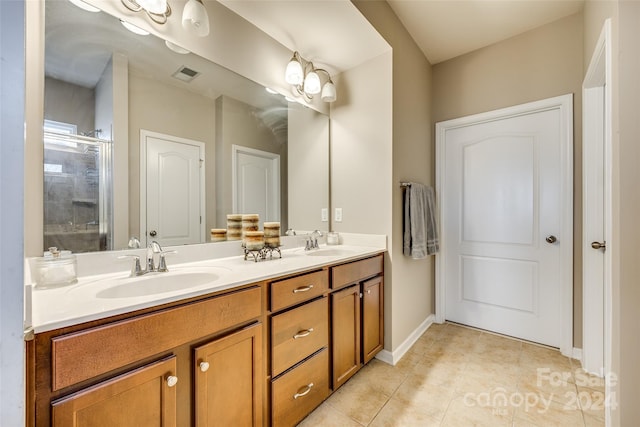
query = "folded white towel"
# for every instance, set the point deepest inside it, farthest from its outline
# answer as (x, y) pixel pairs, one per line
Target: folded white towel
(420, 227)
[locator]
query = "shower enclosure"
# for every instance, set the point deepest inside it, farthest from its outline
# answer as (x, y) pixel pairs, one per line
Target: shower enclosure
(77, 191)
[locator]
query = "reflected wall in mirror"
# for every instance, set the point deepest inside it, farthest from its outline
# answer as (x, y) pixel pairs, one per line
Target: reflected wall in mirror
(168, 142)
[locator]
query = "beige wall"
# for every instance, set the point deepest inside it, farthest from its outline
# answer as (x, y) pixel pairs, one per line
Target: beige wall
(410, 292)
(308, 162)
(628, 155)
(539, 64)
(237, 124)
(69, 103)
(166, 109)
(361, 153)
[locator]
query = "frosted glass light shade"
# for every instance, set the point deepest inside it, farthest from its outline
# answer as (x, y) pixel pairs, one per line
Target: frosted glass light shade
(328, 92)
(195, 19)
(312, 83)
(153, 6)
(293, 74)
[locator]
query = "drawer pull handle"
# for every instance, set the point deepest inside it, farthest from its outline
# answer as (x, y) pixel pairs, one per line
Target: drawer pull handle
(204, 366)
(303, 289)
(172, 380)
(301, 393)
(303, 333)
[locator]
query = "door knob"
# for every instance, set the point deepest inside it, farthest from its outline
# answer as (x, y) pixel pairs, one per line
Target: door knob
(551, 239)
(598, 245)
(153, 233)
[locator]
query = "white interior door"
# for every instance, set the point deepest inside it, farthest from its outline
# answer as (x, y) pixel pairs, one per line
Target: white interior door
(504, 183)
(256, 183)
(172, 189)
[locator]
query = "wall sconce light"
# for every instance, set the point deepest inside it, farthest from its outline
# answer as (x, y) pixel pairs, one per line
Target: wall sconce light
(195, 19)
(157, 10)
(304, 78)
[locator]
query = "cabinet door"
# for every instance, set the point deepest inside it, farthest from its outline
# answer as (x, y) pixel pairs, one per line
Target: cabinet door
(228, 384)
(145, 397)
(372, 318)
(345, 317)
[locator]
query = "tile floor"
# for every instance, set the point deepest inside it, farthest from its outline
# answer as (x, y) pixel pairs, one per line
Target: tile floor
(458, 376)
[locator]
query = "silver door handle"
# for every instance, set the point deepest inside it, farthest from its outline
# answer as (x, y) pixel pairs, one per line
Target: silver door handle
(598, 245)
(551, 239)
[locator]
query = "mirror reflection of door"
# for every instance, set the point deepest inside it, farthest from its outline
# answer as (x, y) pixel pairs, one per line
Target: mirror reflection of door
(256, 183)
(171, 189)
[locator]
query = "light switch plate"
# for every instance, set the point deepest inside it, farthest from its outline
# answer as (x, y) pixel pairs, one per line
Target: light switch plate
(324, 214)
(338, 215)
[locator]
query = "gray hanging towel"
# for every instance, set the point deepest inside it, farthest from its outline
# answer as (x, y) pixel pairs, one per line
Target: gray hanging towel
(420, 229)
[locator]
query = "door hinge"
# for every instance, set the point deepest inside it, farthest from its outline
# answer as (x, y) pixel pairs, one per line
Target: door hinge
(200, 219)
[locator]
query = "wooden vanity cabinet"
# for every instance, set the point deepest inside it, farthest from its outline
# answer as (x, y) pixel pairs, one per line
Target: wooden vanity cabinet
(145, 368)
(299, 341)
(228, 380)
(144, 397)
(357, 315)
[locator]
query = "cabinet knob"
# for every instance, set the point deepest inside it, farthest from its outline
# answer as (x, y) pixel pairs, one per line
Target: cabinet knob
(172, 380)
(303, 391)
(303, 289)
(303, 333)
(204, 366)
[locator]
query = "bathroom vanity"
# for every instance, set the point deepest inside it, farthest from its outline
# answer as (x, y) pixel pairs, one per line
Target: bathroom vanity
(265, 344)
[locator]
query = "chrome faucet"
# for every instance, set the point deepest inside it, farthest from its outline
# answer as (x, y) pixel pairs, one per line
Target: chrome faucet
(312, 240)
(153, 249)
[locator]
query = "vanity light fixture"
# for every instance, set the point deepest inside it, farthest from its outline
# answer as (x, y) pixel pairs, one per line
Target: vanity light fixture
(157, 10)
(195, 19)
(305, 79)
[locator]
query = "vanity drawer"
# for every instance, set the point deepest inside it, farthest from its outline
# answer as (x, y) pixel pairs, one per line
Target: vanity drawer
(356, 271)
(298, 333)
(295, 290)
(83, 355)
(301, 390)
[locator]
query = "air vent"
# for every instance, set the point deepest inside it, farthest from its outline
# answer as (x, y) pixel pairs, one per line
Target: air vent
(185, 74)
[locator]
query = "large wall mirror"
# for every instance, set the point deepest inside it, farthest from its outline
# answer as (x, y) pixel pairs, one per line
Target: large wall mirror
(199, 141)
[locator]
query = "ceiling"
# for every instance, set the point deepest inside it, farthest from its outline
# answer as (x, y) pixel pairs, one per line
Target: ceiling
(335, 35)
(444, 29)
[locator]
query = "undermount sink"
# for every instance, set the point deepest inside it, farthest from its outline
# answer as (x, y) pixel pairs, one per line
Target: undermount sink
(157, 283)
(330, 252)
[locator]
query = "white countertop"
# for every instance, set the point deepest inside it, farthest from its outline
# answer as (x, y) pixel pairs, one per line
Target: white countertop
(85, 301)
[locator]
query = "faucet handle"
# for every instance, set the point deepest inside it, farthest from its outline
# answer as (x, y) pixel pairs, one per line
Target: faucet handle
(162, 264)
(136, 269)
(155, 247)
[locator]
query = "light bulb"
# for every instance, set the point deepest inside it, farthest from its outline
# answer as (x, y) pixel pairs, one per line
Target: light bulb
(195, 19)
(312, 83)
(293, 74)
(328, 92)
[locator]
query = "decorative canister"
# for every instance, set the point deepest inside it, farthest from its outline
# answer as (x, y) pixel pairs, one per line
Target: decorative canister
(272, 234)
(218, 234)
(234, 227)
(56, 268)
(254, 240)
(333, 238)
(250, 222)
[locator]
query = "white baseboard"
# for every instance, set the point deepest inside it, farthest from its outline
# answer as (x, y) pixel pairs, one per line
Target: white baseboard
(393, 357)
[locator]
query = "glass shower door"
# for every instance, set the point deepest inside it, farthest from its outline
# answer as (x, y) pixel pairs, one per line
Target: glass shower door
(77, 193)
